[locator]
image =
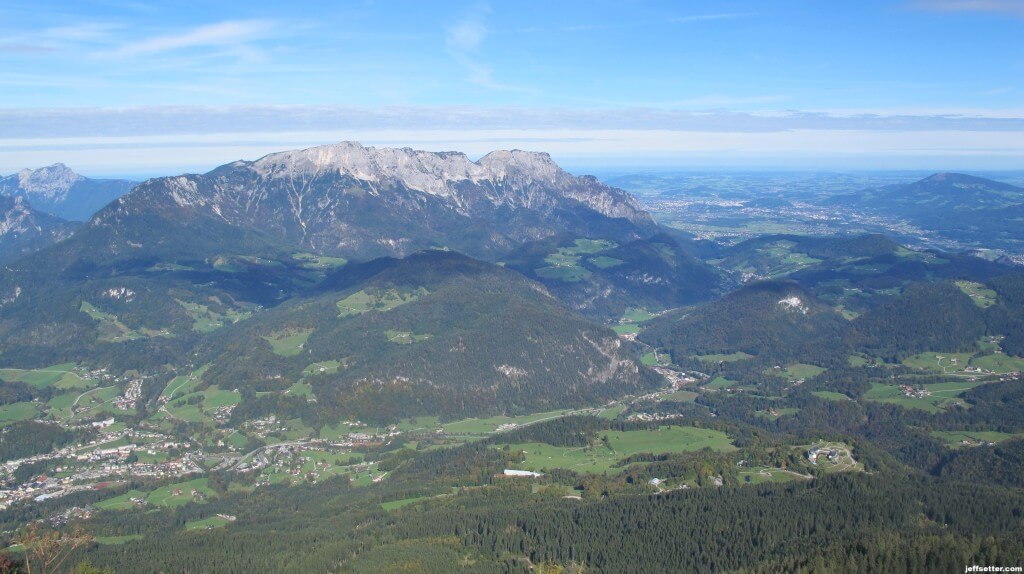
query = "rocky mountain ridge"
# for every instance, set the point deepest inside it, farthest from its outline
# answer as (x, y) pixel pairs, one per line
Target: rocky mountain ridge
(364, 202)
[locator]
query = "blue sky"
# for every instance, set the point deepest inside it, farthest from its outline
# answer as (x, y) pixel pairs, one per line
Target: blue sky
(134, 87)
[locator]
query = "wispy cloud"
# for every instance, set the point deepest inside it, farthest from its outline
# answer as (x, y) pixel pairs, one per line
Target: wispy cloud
(463, 40)
(1014, 7)
(87, 34)
(232, 33)
(710, 17)
(17, 48)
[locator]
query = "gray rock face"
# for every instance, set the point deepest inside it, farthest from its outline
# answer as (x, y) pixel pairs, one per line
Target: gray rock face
(365, 202)
(23, 229)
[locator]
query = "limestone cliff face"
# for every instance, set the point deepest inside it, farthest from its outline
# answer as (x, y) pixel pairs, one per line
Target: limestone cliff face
(363, 201)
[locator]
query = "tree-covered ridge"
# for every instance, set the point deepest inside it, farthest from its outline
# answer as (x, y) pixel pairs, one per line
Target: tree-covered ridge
(478, 340)
(603, 278)
(774, 320)
(781, 322)
(936, 317)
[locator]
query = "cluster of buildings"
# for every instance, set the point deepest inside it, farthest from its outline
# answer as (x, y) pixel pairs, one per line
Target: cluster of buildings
(85, 466)
(815, 452)
(130, 397)
(97, 375)
(651, 417)
(74, 513)
(264, 426)
(914, 392)
(676, 379)
(223, 414)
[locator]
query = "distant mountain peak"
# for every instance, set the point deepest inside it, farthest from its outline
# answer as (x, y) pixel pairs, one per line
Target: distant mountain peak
(52, 181)
(58, 190)
(961, 179)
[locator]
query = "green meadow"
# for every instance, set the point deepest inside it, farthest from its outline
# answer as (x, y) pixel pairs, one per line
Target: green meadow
(601, 457)
(288, 343)
(364, 302)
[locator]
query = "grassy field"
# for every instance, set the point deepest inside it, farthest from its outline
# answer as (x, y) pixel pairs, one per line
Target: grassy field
(61, 376)
(207, 523)
(938, 362)
(999, 363)
(776, 260)
(612, 412)
(17, 412)
(216, 397)
(288, 343)
(637, 315)
(719, 383)
(394, 504)
(206, 321)
(857, 361)
(184, 384)
(405, 337)
(798, 371)
(567, 273)
(954, 439)
(161, 497)
(564, 264)
(111, 329)
(653, 358)
(300, 390)
(731, 357)
(982, 296)
(626, 329)
(782, 412)
(939, 397)
(489, 425)
(202, 412)
(165, 497)
(600, 457)
(122, 502)
(326, 367)
(604, 262)
(831, 395)
(96, 401)
(313, 261)
(364, 302)
(60, 405)
(680, 395)
(764, 474)
(593, 245)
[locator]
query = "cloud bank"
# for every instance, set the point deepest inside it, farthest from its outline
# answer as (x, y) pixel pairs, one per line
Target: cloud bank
(172, 139)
